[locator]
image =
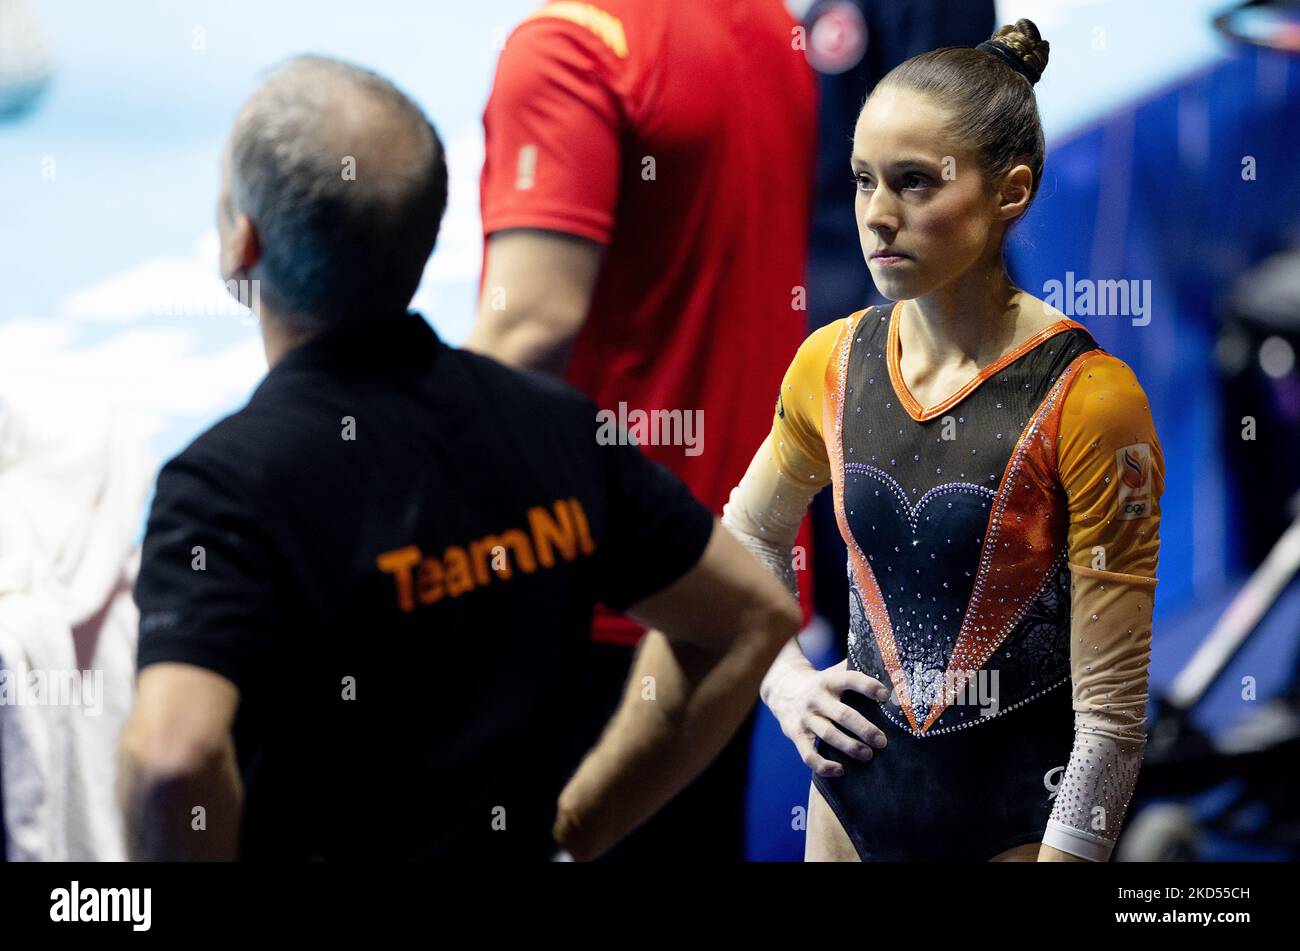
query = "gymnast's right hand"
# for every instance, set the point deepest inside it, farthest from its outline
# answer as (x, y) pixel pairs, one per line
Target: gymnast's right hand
(807, 703)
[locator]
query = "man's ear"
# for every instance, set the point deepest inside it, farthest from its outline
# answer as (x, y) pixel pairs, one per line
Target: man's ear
(242, 250)
(1013, 196)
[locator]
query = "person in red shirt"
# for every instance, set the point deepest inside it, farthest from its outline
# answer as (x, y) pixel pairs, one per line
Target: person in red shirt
(645, 200)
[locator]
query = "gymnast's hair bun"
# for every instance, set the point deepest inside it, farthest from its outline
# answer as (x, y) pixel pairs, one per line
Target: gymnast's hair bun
(1027, 45)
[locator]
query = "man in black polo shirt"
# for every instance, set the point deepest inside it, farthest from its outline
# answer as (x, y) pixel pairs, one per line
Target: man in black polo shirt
(364, 597)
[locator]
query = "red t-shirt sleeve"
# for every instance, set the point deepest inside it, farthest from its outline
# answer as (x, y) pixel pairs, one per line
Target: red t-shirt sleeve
(552, 128)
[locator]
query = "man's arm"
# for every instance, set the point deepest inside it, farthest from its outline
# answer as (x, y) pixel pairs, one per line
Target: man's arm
(176, 757)
(553, 131)
(695, 678)
(537, 288)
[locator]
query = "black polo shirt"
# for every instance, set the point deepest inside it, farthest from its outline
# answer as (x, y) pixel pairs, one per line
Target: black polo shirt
(393, 551)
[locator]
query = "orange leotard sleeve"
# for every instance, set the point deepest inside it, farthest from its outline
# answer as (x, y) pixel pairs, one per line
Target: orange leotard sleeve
(797, 443)
(1112, 470)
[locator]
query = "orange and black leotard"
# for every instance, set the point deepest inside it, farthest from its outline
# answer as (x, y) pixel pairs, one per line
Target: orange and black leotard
(1002, 555)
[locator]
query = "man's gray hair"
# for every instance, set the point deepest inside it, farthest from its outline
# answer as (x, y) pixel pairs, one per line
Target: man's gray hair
(346, 182)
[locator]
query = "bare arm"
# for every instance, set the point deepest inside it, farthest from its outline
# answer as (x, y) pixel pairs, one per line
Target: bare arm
(691, 686)
(537, 288)
(176, 757)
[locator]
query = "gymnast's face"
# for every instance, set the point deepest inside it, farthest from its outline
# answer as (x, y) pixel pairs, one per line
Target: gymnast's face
(921, 193)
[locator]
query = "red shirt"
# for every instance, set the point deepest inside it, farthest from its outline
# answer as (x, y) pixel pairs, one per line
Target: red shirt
(681, 135)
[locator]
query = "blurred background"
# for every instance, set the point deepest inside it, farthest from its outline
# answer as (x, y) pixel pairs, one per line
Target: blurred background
(1172, 158)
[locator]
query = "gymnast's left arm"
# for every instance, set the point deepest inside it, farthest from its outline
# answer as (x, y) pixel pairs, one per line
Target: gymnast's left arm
(1112, 470)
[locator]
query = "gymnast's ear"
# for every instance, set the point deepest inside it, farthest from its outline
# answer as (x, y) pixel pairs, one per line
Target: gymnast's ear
(1014, 192)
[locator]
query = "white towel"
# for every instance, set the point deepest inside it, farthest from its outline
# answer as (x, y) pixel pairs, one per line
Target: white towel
(73, 480)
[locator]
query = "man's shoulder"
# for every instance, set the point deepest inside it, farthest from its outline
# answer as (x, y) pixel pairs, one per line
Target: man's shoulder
(594, 38)
(275, 429)
(285, 420)
(602, 25)
(532, 386)
(227, 444)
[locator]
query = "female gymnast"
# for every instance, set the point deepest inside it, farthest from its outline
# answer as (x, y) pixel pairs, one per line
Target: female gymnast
(996, 478)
